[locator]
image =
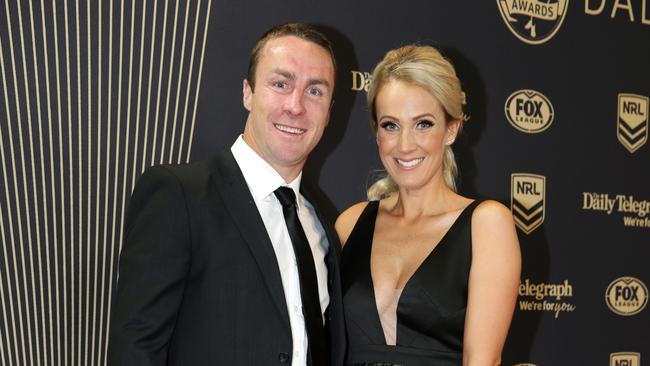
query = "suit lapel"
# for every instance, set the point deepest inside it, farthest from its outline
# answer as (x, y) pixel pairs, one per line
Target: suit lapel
(239, 203)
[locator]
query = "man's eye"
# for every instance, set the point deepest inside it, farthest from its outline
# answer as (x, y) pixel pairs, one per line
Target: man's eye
(279, 84)
(424, 124)
(389, 126)
(315, 92)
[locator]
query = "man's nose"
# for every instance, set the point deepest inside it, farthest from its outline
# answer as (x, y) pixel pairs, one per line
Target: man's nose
(294, 103)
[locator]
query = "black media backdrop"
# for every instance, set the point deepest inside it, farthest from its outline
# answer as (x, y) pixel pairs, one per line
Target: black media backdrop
(585, 275)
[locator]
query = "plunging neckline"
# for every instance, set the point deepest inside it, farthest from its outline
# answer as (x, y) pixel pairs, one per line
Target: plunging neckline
(408, 281)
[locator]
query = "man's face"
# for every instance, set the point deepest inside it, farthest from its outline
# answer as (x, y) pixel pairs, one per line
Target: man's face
(289, 108)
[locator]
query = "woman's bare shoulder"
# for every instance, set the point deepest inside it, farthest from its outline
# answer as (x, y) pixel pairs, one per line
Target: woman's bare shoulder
(347, 219)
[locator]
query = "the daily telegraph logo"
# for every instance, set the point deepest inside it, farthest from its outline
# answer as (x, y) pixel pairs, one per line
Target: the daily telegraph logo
(533, 21)
(618, 9)
(527, 200)
(550, 297)
(626, 296)
(632, 124)
(529, 111)
(361, 80)
(636, 212)
(625, 359)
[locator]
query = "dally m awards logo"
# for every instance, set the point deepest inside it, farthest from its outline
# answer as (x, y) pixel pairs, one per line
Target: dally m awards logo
(626, 296)
(533, 21)
(632, 125)
(527, 201)
(524, 364)
(625, 359)
(529, 111)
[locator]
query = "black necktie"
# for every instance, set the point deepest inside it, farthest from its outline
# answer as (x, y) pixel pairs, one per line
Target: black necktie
(316, 335)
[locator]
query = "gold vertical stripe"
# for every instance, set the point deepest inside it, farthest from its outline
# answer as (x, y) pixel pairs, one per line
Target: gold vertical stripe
(2, 297)
(75, 226)
(40, 145)
(96, 202)
(117, 159)
(52, 190)
(9, 217)
(30, 206)
(189, 82)
(31, 211)
(137, 108)
(57, 290)
(178, 87)
(78, 227)
(169, 83)
(126, 162)
(198, 83)
(2, 294)
(19, 214)
(88, 185)
(146, 120)
(107, 122)
(160, 72)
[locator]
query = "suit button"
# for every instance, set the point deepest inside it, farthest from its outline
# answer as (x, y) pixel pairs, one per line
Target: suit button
(283, 357)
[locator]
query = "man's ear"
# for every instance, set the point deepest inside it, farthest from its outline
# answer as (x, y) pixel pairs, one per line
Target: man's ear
(247, 93)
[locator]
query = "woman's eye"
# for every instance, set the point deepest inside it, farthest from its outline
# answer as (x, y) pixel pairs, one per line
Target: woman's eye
(424, 124)
(389, 126)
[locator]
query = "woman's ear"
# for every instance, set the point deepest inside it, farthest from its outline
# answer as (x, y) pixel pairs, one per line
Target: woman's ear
(453, 126)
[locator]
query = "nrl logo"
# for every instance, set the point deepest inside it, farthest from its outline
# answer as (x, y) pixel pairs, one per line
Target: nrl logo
(625, 359)
(632, 125)
(529, 111)
(527, 200)
(533, 21)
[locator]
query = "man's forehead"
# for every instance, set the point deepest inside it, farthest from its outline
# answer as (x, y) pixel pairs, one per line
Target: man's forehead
(285, 45)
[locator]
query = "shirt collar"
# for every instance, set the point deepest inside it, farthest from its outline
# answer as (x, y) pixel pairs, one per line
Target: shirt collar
(261, 178)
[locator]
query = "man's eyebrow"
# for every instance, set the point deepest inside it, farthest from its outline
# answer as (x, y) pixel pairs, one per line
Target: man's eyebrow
(291, 76)
(319, 82)
(285, 73)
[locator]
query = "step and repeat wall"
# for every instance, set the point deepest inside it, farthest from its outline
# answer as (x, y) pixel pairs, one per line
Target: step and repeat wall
(558, 97)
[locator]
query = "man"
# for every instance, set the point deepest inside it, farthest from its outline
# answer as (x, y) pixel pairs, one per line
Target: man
(211, 272)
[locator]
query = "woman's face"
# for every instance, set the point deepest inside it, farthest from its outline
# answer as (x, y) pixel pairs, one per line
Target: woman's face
(412, 132)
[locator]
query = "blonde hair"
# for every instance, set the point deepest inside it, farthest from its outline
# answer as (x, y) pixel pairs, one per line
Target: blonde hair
(425, 67)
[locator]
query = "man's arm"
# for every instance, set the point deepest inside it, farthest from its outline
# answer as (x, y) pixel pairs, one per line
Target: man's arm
(153, 268)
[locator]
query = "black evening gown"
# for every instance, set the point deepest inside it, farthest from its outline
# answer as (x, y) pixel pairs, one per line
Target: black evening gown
(430, 311)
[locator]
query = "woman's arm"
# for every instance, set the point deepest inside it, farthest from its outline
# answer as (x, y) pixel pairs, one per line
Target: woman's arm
(493, 284)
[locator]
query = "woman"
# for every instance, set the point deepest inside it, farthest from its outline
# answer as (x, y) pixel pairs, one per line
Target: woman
(429, 277)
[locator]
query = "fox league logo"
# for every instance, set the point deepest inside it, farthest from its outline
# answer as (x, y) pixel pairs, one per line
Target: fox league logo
(529, 111)
(625, 359)
(626, 296)
(632, 124)
(527, 200)
(533, 21)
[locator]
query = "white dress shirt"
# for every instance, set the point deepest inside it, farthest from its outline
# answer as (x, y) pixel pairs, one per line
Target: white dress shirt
(262, 181)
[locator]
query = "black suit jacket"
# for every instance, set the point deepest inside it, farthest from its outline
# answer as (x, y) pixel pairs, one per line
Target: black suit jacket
(199, 282)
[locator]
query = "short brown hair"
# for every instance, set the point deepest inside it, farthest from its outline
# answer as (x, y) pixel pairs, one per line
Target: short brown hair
(303, 31)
